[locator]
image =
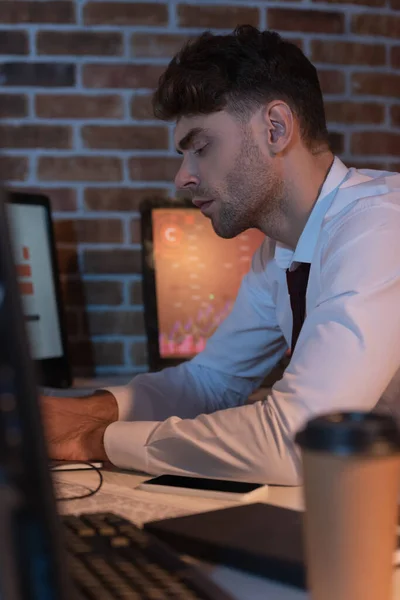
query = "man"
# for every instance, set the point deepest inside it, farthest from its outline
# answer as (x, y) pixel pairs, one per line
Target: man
(251, 129)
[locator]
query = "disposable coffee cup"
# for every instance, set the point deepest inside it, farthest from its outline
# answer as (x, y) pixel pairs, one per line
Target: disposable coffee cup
(351, 470)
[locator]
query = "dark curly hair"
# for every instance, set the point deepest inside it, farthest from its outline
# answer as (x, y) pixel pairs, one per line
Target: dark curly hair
(239, 72)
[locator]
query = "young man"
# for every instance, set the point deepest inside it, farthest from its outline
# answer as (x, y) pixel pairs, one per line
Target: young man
(251, 129)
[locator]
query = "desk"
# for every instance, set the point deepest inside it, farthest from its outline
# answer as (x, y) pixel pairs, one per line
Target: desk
(119, 495)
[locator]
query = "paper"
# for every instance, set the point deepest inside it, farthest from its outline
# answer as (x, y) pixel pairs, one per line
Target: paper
(137, 506)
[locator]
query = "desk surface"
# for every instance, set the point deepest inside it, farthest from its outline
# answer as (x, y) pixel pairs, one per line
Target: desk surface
(118, 494)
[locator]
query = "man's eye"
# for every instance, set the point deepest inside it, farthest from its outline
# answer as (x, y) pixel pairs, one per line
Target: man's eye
(200, 151)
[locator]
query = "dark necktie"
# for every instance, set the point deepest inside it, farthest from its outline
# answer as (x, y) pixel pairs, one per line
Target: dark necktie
(297, 286)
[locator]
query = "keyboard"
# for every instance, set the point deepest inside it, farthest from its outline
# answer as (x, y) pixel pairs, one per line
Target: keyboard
(112, 559)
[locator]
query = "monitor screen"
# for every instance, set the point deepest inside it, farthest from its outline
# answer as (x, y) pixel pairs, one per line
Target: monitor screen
(32, 255)
(197, 277)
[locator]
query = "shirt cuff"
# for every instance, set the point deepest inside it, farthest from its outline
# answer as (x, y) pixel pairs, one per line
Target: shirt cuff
(125, 444)
(124, 396)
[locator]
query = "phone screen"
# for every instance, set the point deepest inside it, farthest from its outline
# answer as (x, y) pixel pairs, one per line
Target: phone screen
(199, 483)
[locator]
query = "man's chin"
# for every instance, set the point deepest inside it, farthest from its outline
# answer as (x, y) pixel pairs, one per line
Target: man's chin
(221, 230)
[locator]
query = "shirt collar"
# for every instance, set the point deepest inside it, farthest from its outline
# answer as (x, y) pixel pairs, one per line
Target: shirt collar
(285, 256)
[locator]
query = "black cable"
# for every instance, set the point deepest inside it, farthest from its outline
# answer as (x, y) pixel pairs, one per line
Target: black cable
(89, 494)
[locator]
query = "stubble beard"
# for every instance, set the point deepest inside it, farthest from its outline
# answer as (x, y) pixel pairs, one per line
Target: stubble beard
(253, 194)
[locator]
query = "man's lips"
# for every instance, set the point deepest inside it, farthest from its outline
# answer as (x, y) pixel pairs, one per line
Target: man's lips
(201, 202)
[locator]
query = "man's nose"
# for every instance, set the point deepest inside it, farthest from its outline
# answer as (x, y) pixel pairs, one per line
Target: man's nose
(185, 179)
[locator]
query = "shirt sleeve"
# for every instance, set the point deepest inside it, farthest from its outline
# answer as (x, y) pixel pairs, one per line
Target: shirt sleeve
(346, 354)
(244, 349)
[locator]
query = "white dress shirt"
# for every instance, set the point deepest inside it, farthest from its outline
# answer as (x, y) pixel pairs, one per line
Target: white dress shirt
(194, 419)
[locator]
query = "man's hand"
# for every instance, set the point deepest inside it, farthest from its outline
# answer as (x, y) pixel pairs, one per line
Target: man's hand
(75, 427)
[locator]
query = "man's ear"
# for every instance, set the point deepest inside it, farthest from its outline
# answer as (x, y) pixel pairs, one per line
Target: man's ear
(279, 123)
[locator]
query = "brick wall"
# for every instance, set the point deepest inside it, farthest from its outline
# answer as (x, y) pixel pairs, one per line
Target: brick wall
(75, 80)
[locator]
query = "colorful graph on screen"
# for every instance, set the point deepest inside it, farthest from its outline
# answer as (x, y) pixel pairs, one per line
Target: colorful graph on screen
(198, 275)
(24, 274)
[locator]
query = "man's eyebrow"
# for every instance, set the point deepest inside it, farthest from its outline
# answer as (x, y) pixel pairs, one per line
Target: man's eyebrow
(188, 139)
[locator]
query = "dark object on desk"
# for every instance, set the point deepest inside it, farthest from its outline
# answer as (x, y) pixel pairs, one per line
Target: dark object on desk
(34, 562)
(259, 538)
(111, 559)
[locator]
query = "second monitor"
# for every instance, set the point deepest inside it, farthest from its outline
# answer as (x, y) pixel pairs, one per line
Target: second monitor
(191, 278)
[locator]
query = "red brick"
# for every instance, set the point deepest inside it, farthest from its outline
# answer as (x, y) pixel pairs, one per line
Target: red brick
(61, 199)
(37, 74)
(331, 82)
(116, 322)
(90, 231)
(354, 112)
(137, 293)
(141, 107)
(14, 42)
(103, 292)
(79, 168)
(79, 43)
(394, 166)
(348, 53)
(35, 136)
(13, 106)
(138, 354)
(108, 354)
(336, 142)
(77, 106)
(395, 4)
(127, 137)
(81, 294)
(157, 45)
(120, 199)
(67, 261)
(154, 169)
(124, 13)
(112, 262)
(121, 76)
(377, 84)
(306, 21)
(373, 142)
(37, 12)
(216, 16)
(13, 168)
(88, 355)
(382, 25)
(395, 57)
(356, 2)
(395, 115)
(136, 237)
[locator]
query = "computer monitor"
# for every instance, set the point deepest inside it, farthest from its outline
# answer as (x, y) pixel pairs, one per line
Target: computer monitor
(191, 278)
(32, 561)
(35, 257)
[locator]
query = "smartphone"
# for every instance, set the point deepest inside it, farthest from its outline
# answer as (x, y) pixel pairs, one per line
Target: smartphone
(206, 488)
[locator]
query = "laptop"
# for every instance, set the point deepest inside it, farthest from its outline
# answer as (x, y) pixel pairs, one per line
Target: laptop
(39, 285)
(44, 557)
(191, 278)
